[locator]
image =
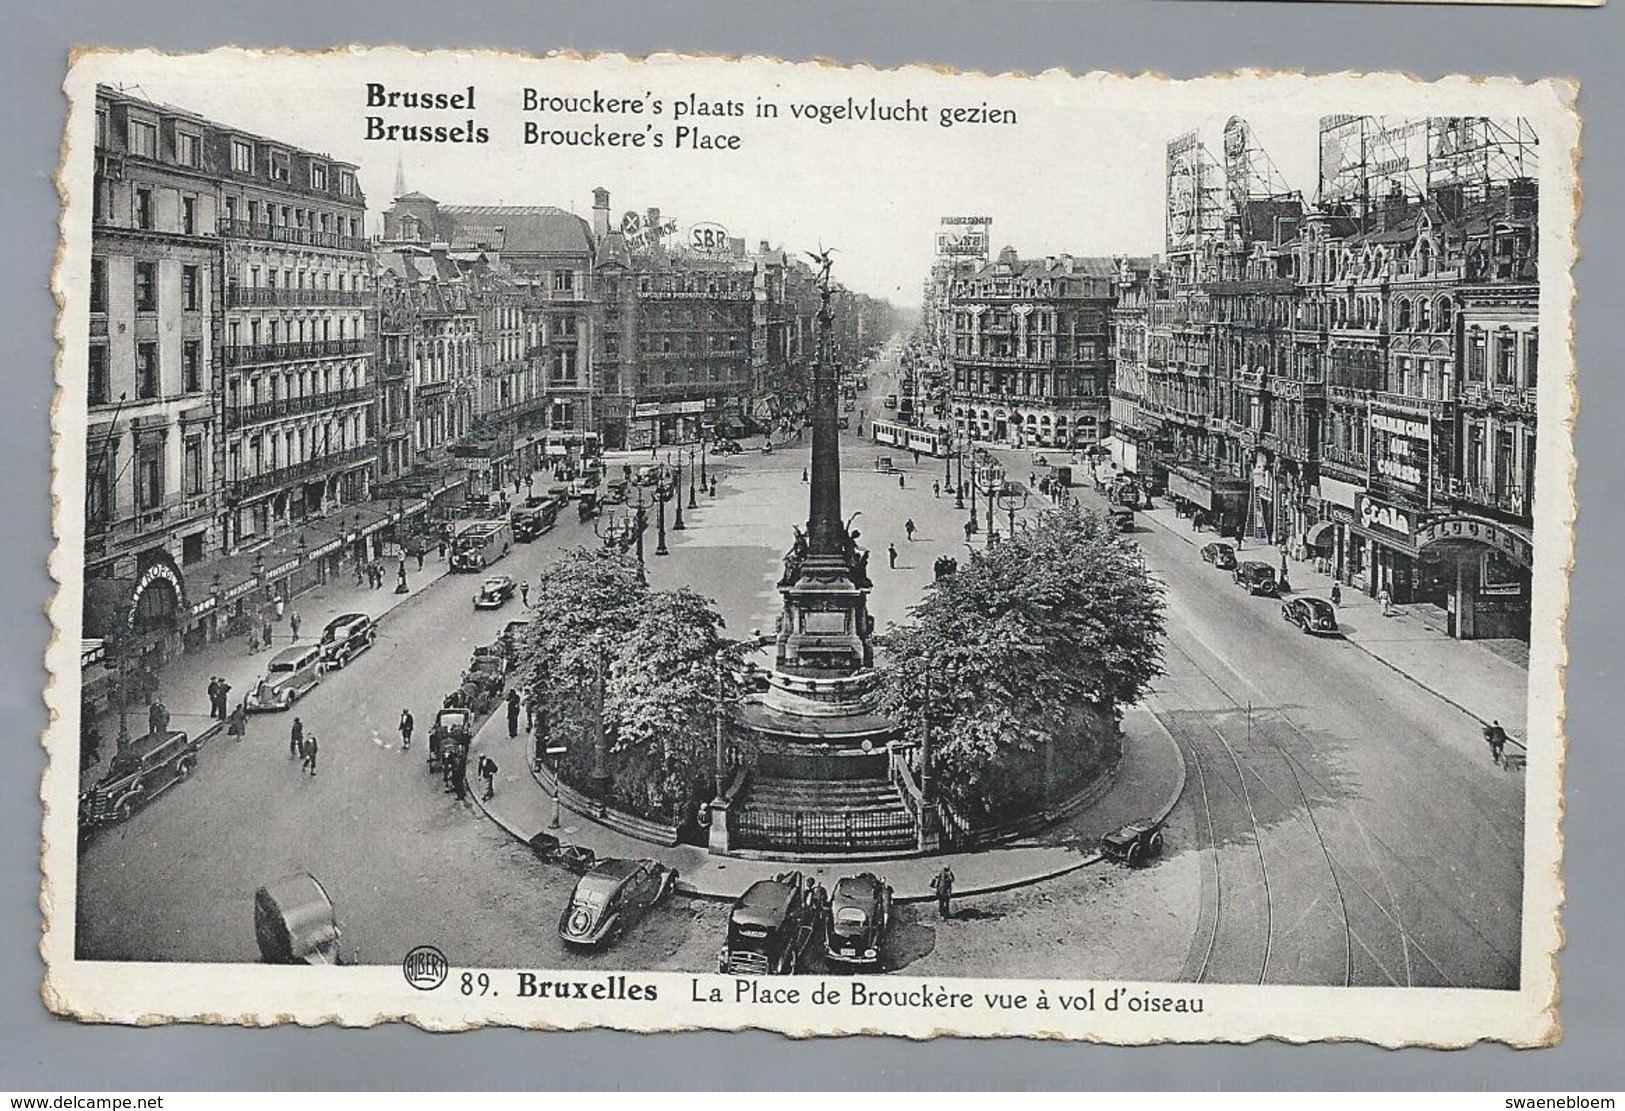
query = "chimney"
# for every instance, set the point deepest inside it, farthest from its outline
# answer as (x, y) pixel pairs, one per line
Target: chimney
(653, 216)
(600, 213)
(764, 249)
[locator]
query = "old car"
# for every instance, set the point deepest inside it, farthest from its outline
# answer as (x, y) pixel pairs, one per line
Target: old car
(726, 446)
(294, 922)
(495, 592)
(615, 492)
(1256, 578)
(513, 635)
(844, 422)
(610, 899)
(487, 672)
(346, 637)
(1122, 518)
(1222, 556)
(453, 728)
(1315, 616)
(587, 507)
(144, 769)
(856, 921)
(1133, 844)
(771, 926)
(532, 520)
(290, 675)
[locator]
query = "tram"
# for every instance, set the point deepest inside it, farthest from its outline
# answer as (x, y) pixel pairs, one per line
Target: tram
(926, 441)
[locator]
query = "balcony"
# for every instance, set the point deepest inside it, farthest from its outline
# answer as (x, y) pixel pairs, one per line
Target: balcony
(283, 476)
(251, 354)
(294, 236)
(238, 416)
(105, 536)
(238, 296)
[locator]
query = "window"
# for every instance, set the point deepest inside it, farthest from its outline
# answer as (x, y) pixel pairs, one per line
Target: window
(192, 366)
(1506, 359)
(1530, 360)
(186, 148)
(146, 287)
(318, 176)
(149, 478)
(277, 170)
(1404, 324)
(97, 389)
(143, 209)
(189, 215)
(146, 370)
(564, 281)
(96, 491)
(1424, 315)
(346, 183)
(143, 139)
(1475, 356)
(102, 130)
(98, 285)
(192, 470)
(242, 156)
(1446, 314)
(191, 297)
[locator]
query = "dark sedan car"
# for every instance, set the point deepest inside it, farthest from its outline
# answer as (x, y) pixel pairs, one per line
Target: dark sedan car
(1313, 615)
(494, 591)
(1257, 578)
(611, 898)
(856, 920)
(1222, 556)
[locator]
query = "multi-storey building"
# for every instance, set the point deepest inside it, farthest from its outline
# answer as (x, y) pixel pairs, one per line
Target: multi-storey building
(1137, 441)
(675, 343)
(1030, 356)
(296, 336)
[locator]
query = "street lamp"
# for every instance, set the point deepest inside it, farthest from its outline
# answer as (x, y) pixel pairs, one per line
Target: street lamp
(959, 456)
(641, 522)
(660, 513)
(677, 492)
(692, 503)
(1011, 500)
(704, 481)
(600, 746)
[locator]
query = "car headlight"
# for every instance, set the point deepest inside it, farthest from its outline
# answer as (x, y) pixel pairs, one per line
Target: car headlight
(869, 953)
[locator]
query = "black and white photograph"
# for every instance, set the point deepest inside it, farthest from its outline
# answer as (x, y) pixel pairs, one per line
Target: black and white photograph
(681, 542)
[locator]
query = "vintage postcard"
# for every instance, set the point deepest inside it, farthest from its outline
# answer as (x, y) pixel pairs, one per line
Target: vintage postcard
(686, 542)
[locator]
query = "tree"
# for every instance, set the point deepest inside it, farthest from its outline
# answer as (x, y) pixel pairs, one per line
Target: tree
(1019, 663)
(659, 651)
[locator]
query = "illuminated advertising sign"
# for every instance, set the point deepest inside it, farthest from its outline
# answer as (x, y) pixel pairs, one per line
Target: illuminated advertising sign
(1401, 447)
(965, 243)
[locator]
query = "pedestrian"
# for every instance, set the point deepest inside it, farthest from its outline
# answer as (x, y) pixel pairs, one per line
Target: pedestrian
(713, 486)
(1386, 600)
(936, 489)
(222, 694)
(943, 885)
(157, 717)
(524, 594)
(442, 548)
(513, 712)
(891, 554)
(293, 623)
(487, 769)
(531, 704)
(238, 725)
(308, 750)
(1496, 737)
(214, 696)
(268, 632)
(419, 554)
(970, 529)
(296, 739)
(908, 527)
(1337, 594)
(459, 771)
(916, 456)
(278, 606)
(407, 725)
(400, 578)
(900, 483)
(253, 639)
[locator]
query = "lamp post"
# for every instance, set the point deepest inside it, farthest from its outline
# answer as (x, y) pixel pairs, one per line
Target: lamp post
(1012, 500)
(704, 481)
(959, 457)
(692, 503)
(600, 746)
(639, 523)
(677, 494)
(995, 479)
(660, 514)
(721, 751)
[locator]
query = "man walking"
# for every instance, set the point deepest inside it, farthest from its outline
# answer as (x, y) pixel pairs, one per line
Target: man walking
(487, 769)
(296, 739)
(943, 885)
(513, 712)
(214, 696)
(936, 489)
(908, 527)
(1496, 737)
(901, 485)
(524, 594)
(293, 623)
(804, 477)
(891, 554)
(1337, 594)
(407, 725)
(308, 748)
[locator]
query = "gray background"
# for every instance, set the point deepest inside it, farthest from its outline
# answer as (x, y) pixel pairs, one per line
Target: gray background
(1181, 39)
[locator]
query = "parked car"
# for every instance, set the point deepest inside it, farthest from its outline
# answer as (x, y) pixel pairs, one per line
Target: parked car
(574, 858)
(855, 924)
(1123, 518)
(615, 492)
(291, 675)
(494, 592)
(346, 637)
(1256, 578)
(610, 899)
(453, 728)
(1133, 844)
(726, 446)
(147, 767)
(513, 634)
(1222, 556)
(844, 422)
(488, 673)
(1313, 615)
(771, 926)
(294, 922)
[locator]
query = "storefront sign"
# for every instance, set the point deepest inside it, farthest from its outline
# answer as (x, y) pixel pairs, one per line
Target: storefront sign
(1400, 448)
(1514, 545)
(651, 409)
(1380, 517)
(162, 571)
(1338, 492)
(1181, 487)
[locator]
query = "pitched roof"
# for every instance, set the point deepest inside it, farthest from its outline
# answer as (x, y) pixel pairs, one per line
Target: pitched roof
(524, 229)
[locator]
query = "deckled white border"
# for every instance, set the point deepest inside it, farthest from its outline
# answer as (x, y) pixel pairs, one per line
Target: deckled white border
(260, 995)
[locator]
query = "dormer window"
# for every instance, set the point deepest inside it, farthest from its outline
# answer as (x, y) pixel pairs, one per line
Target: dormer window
(143, 138)
(318, 176)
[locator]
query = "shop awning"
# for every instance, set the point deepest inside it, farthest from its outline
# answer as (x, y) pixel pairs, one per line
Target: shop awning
(1319, 535)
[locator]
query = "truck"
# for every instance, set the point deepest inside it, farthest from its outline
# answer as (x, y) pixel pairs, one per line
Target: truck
(481, 544)
(771, 926)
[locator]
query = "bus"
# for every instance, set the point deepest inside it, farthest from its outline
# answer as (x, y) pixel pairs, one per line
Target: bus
(923, 440)
(480, 545)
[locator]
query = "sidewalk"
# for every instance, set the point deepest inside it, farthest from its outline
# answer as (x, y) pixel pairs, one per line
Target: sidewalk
(183, 684)
(1148, 783)
(1476, 680)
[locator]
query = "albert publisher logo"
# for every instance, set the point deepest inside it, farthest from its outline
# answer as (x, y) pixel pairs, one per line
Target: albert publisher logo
(425, 968)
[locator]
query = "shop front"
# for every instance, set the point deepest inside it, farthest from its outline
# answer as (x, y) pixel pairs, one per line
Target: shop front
(1487, 566)
(666, 423)
(1389, 560)
(1219, 500)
